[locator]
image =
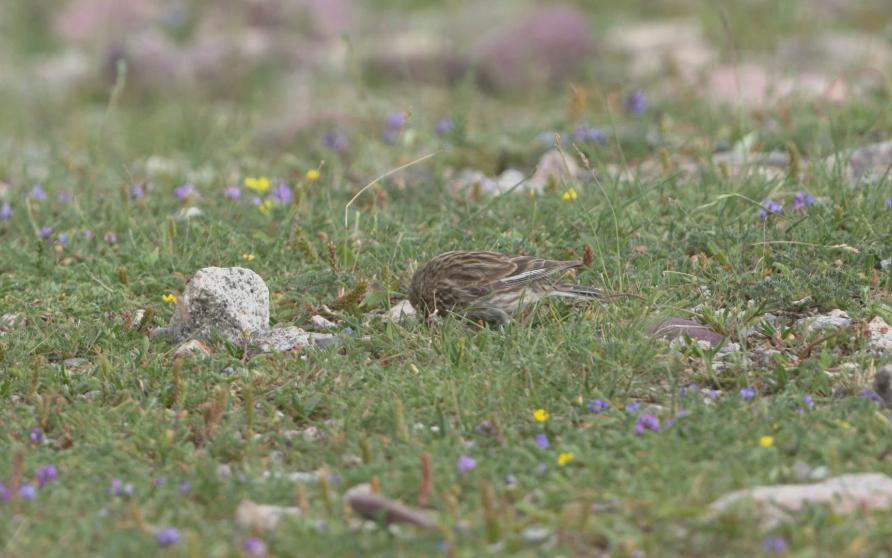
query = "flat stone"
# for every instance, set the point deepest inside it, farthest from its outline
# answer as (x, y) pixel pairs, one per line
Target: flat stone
(291, 338)
(844, 495)
(836, 319)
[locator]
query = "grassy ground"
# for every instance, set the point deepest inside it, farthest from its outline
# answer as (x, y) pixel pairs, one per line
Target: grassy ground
(195, 438)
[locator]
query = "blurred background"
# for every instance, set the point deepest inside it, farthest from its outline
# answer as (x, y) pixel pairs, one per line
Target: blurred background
(324, 76)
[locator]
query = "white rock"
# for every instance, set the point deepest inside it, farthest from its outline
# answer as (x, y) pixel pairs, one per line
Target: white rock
(401, 311)
(880, 335)
(188, 213)
(230, 302)
(9, 322)
(320, 322)
(556, 166)
(281, 339)
(834, 320)
(249, 515)
(844, 494)
(509, 179)
(885, 264)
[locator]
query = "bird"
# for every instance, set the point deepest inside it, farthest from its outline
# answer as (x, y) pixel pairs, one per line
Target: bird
(489, 286)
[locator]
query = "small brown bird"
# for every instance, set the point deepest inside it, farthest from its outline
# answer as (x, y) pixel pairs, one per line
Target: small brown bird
(489, 286)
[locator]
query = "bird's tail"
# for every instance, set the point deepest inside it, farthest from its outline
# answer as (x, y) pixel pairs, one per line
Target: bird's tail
(579, 291)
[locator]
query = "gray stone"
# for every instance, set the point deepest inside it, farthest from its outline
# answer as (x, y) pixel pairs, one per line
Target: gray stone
(401, 311)
(282, 339)
(561, 168)
(880, 335)
(836, 319)
(869, 163)
(76, 364)
(845, 494)
(322, 323)
(231, 302)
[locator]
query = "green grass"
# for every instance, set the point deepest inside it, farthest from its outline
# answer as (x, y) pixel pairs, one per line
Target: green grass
(393, 393)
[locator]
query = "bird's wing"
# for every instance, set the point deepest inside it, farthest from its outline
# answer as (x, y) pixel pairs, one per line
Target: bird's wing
(529, 269)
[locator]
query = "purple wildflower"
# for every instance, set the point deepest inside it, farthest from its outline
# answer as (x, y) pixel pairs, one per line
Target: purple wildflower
(136, 191)
(254, 547)
(4, 494)
(444, 126)
(682, 413)
(185, 487)
(598, 406)
(187, 190)
(633, 408)
(712, 394)
(167, 537)
(510, 480)
(542, 441)
(38, 193)
(802, 201)
(5, 212)
(588, 134)
(28, 492)
(395, 121)
(336, 141)
(889, 203)
(62, 239)
(89, 235)
(774, 545)
(747, 393)
(688, 390)
(46, 474)
(256, 200)
(233, 193)
(64, 197)
(647, 422)
(636, 103)
(282, 193)
(111, 238)
(808, 401)
(36, 435)
(45, 232)
(541, 469)
(160, 481)
(466, 464)
(118, 488)
(871, 395)
(770, 207)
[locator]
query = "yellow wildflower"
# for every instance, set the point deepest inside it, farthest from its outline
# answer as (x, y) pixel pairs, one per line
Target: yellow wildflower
(259, 185)
(248, 257)
(766, 441)
(541, 415)
(570, 195)
(565, 458)
(169, 298)
(313, 175)
(265, 207)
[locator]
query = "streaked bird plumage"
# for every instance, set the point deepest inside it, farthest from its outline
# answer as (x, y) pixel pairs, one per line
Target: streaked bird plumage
(490, 287)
